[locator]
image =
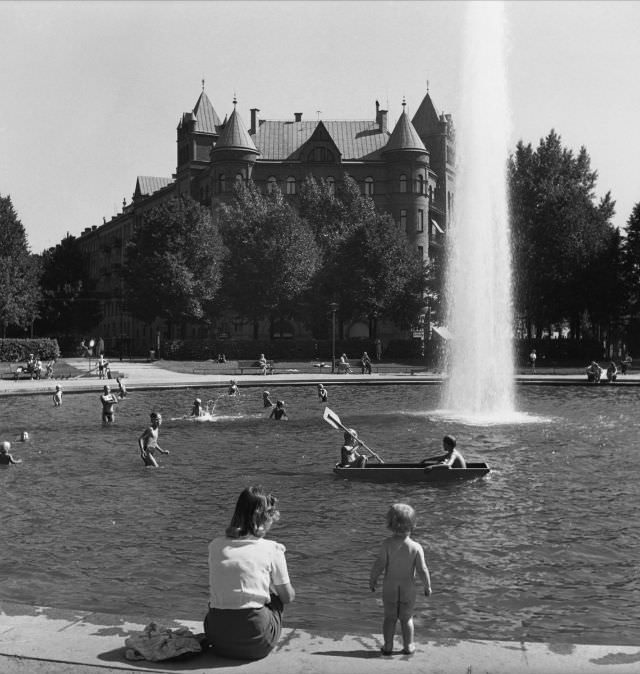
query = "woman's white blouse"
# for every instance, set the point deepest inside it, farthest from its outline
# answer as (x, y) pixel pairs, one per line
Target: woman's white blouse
(242, 571)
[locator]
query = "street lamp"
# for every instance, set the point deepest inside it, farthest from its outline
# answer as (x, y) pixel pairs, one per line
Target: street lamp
(334, 307)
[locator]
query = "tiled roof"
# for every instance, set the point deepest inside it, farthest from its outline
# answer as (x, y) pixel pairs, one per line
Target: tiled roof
(280, 140)
(404, 136)
(235, 135)
(146, 185)
(206, 117)
(426, 118)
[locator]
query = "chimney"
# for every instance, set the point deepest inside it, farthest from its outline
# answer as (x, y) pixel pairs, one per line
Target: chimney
(254, 119)
(297, 116)
(381, 118)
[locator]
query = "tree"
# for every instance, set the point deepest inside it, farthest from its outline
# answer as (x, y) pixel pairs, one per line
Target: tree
(368, 267)
(174, 263)
(69, 301)
(272, 255)
(558, 232)
(378, 275)
(630, 272)
(19, 272)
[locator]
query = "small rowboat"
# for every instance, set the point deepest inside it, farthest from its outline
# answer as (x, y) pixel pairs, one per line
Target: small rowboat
(411, 472)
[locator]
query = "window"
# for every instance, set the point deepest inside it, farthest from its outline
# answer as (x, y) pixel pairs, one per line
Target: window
(368, 186)
(222, 183)
(291, 185)
(239, 179)
(420, 227)
(403, 219)
(420, 184)
(320, 154)
(272, 183)
(421, 252)
(331, 184)
(403, 183)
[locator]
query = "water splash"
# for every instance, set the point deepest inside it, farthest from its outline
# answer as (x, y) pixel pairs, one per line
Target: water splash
(480, 382)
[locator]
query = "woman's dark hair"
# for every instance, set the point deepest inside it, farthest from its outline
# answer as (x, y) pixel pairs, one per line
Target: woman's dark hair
(255, 512)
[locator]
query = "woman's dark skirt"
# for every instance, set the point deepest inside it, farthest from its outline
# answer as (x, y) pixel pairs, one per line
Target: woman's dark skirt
(246, 633)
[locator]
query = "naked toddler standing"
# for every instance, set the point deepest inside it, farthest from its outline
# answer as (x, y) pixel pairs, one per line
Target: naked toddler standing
(401, 559)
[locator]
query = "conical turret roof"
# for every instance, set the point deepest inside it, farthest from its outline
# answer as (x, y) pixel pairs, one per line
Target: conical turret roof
(235, 135)
(404, 136)
(207, 119)
(426, 118)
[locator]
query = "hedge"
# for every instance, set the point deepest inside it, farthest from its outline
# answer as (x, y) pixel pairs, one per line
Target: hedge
(284, 350)
(17, 350)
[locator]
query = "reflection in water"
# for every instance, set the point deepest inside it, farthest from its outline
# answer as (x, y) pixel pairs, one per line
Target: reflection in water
(543, 548)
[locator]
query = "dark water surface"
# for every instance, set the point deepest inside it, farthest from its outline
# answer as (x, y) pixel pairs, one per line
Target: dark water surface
(545, 548)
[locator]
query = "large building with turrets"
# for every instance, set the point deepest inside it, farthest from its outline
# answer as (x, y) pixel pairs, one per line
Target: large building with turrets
(408, 170)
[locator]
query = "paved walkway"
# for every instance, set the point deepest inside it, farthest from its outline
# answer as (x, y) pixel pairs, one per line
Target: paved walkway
(144, 375)
(51, 641)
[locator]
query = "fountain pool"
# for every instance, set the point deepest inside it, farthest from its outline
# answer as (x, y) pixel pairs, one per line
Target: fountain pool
(545, 548)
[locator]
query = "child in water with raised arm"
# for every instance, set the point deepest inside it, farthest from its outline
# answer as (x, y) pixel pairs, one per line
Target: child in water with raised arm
(401, 559)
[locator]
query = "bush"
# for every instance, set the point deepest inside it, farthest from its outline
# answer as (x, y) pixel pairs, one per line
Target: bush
(16, 350)
(285, 349)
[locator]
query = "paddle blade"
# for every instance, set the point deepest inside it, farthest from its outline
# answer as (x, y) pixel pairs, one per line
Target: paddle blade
(332, 418)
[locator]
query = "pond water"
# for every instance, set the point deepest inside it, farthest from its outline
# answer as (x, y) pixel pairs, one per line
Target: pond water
(545, 548)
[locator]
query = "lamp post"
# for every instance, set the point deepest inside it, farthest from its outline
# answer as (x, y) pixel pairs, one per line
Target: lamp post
(334, 307)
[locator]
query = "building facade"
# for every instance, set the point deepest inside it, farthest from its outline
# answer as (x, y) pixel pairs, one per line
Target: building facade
(408, 171)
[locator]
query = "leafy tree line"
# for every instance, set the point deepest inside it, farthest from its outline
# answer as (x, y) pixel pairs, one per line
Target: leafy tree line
(262, 259)
(569, 260)
(259, 258)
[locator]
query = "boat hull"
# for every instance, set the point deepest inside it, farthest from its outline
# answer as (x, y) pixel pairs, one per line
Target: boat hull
(412, 472)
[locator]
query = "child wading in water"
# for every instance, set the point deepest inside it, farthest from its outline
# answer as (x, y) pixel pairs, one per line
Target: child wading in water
(401, 559)
(57, 396)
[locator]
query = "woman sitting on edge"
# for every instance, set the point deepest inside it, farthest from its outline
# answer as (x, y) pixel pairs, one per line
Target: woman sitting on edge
(248, 581)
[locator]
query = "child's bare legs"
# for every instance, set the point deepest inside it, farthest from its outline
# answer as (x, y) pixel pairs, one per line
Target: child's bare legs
(405, 613)
(389, 625)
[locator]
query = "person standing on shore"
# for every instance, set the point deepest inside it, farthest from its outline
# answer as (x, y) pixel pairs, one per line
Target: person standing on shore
(400, 559)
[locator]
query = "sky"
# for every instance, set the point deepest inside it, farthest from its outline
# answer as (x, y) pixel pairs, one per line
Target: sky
(91, 92)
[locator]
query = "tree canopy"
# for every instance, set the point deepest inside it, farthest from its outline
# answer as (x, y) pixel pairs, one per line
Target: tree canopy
(19, 272)
(560, 233)
(69, 299)
(174, 263)
(272, 254)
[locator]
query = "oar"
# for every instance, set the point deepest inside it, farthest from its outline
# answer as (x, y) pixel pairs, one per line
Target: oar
(334, 420)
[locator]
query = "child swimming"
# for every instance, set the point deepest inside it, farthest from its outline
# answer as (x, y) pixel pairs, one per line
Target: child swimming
(279, 412)
(266, 400)
(233, 388)
(5, 457)
(401, 559)
(322, 393)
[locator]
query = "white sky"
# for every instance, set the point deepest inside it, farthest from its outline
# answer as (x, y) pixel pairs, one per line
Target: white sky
(91, 93)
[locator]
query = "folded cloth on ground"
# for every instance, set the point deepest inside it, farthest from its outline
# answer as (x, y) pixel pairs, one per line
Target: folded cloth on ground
(161, 643)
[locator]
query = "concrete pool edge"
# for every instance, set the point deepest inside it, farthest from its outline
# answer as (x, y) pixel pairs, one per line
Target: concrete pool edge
(45, 639)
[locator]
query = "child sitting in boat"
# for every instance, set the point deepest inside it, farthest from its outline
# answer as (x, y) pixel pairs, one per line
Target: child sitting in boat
(451, 458)
(350, 457)
(401, 559)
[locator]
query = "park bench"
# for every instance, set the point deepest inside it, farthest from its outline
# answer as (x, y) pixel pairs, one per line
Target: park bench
(254, 367)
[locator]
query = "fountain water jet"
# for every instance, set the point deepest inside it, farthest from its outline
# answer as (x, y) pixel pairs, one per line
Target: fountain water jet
(480, 385)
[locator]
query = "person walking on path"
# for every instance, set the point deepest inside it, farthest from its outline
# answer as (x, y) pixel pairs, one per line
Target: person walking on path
(533, 356)
(400, 559)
